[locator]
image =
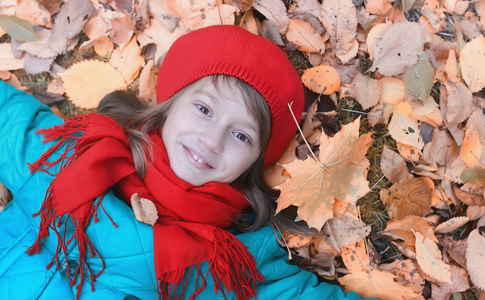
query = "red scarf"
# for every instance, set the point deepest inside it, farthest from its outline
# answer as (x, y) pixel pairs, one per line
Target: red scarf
(190, 217)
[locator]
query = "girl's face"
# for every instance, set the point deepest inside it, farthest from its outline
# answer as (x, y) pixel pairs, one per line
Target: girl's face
(209, 137)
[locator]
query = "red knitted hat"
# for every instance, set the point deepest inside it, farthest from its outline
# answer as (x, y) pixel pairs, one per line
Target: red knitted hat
(232, 50)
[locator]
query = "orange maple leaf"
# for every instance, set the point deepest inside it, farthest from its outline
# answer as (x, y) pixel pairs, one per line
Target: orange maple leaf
(338, 173)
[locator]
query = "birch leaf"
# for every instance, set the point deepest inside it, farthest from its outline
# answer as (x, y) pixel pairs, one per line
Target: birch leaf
(339, 173)
(340, 20)
(405, 130)
(419, 78)
(472, 60)
(475, 258)
(406, 274)
(378, 284)
(19, 29)
(393, 166)
(348, 229)
(70, 20)
(144, 210)
(459, 279)
(475, 174)
(87, 91)
(429, 259)
(128, 60)
(303, 35)
(451, 225)
(411, 196)
(471, 150)
(275, 11)
(365, 90)
(399, 47)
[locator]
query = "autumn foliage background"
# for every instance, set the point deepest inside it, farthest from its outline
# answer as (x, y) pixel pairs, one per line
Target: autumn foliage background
(388, 165)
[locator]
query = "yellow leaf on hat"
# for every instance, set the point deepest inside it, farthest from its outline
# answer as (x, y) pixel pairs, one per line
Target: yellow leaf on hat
(321, 79)
(87, 82)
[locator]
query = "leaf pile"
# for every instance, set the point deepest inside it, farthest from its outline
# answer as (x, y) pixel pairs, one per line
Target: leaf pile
(418, 67)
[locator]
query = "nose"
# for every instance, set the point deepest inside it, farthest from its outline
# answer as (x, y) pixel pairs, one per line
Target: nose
(212, 138)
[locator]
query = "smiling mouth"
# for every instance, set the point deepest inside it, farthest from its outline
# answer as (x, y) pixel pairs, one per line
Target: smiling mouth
(196, 159)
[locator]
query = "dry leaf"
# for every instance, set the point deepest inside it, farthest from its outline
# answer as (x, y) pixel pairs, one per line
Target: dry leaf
(122, 29)
(340, 20)
(70, 20)
(274, 11)
(355, 257)
(398, 48)
(380, 113)
(428, 256)
(459, 103)
(419, 77)
(406, 274)
(40, 47)
(128, 60)
(406, 130)
(338, 174)
(393, 90)
(471, 150)
(87, 91)
(403, 229)
(452, 67)
(442, 149)
(7, 60)
(303, 35)
(459, 283)
(322, 79)
(475, 212)
(147, 83)
(375, 34)
(365, 90)
(377, 284)
(348, 229)
(29, 10)
(408, 152)
(411, 196)
(144, 209)
(455, 249)
(221, 14)
(472, 57)
(393, 166)
(451, 225)
(475, 258)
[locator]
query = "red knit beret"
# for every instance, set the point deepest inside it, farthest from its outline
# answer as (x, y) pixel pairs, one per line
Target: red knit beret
(232, 50)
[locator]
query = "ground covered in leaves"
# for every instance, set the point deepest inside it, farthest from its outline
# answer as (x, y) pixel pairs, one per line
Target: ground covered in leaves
(388, 168)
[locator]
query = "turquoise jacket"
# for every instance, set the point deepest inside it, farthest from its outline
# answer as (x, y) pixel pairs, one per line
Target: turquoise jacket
(127, 250)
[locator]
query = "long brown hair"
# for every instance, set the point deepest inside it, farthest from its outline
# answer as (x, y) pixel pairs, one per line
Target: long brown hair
(138, 119)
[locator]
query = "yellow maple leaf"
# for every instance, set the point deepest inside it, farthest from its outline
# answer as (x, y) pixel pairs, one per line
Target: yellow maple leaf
(338, 173)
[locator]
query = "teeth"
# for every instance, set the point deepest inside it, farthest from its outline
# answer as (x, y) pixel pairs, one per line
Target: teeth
(197, 159)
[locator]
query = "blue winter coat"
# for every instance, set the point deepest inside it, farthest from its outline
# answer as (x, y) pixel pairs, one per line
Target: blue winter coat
(127, 250)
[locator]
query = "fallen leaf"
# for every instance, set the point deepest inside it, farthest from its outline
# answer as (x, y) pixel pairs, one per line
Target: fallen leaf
(408, 152)
(442, 149)
(419, 77)
(376, 284)
(18, 29)
(221, 14)
(458, 103)
(348, 229)
(405, 130)
(380, 113)
(411, 196)
(393, 90)
(452, 67)
(375, 34)
(303, 35)
(455, 249)
(274, 11)
(471, 150)
(393, 166)
(365, 90)
(406, 274)
(451, 225)
(475, 212)
(472, 57)
(122, 29)
(428, 256)
(69, 22)
(403, 229)
(378, 7)
(147, 83)
(355, 257)
(339, 173)
(475, 258)
(321, 80)
(128, 60)
(87, 91)
(7, 60)
(459, 283)
(145, 210)
(398, 48)
(340, 20)
(475, 174)
(40, 47)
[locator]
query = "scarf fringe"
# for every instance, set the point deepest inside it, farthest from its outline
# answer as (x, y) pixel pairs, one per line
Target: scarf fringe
(47, 213)
(232, 267)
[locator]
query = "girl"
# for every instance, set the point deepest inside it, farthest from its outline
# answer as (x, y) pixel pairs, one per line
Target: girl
(196, 158)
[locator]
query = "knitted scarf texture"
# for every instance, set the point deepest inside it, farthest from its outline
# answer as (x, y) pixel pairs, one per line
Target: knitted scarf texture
(193, 219)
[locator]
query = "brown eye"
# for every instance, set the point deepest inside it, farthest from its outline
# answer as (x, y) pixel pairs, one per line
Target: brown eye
(204, 109)
(242, 137)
